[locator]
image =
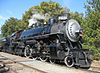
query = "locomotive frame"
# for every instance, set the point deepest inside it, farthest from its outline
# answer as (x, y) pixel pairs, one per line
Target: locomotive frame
(47, 45)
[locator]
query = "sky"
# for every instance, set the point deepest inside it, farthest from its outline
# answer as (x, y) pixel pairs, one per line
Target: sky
(16, 8)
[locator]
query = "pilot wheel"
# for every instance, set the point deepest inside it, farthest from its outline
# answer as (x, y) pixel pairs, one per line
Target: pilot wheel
(69, 61)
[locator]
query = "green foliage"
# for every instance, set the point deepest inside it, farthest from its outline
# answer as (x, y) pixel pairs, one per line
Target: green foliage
(92, 26)
(93, 23)
(11, 25)
(1, 35)
(92, 5)
(50, 8)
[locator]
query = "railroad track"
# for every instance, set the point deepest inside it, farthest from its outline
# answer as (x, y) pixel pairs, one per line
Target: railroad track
(18, 62)
(42, 67)
(92, 71)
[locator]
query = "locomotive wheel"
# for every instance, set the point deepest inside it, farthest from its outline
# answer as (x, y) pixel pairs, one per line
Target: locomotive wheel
(33, 55)
(44, 59)
(28, 51)
(69, 61)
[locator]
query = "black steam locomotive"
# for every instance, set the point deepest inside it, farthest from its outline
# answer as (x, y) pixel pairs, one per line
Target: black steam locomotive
(58, 40)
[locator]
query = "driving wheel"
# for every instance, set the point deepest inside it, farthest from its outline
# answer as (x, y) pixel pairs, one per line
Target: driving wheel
(27, 51)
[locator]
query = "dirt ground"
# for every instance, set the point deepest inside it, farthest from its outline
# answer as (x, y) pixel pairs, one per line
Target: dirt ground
(96, 64)
(44, 66)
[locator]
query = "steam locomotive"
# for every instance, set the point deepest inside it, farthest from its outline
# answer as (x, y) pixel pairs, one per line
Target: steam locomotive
(58, 40)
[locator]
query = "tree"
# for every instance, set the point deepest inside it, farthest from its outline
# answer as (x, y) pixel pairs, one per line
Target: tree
(93, 21)
(92, 25)
(92, 5)
(11, 25)
(52, 8)
(45, 8)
